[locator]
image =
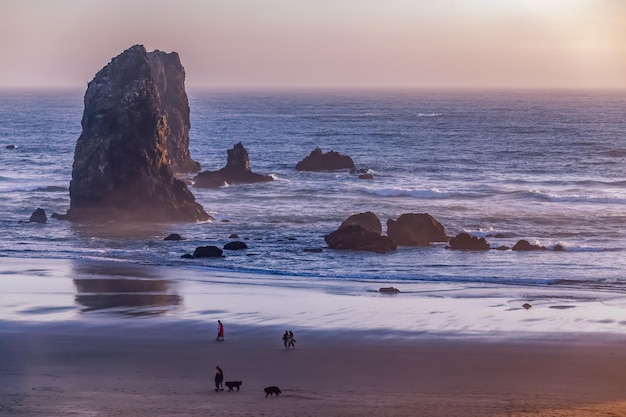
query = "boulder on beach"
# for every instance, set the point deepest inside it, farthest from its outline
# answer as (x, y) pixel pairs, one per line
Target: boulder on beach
(355, 237)
(388, 290)
(236, 171)
(38, 216)
(464, 241)
(416, 229)
(367, 220)
(122, 162)
(320, 161)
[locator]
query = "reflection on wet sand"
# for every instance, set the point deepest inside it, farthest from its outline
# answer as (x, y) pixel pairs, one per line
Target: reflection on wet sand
(132, 290)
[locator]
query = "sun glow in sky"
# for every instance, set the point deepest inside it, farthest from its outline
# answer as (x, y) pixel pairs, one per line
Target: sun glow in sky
(324, 43)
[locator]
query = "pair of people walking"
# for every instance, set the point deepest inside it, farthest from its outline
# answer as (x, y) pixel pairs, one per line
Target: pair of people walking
(219, 379)
(288, 340)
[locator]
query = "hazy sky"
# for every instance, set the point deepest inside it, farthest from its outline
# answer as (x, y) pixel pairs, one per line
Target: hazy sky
(324, 43)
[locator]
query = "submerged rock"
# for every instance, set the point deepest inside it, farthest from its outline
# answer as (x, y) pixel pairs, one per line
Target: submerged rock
(236, 245)
(320, 161)
(415, 229)
(208, 252)
(122, 169)
(236, 171)
(174, 236)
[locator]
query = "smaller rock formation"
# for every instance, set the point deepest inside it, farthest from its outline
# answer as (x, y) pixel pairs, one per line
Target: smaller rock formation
(10, 147)
(463, 241)
(415, 229)
(174, 236)
(367, 220)
(366, 177)
(38, 216)
(208, 252)
(236, 171)
(236, 245)
(388, 290)
(524, 245)
(356, 237)
(320, 161)
(526, 306)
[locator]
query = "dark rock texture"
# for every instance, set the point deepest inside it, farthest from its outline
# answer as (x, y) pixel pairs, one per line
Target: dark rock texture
(208, 252)
(169, 76)
(415, 229)
(174, 236)
(121, 168)
(320, 161)
(356, 237)
(236, 171)
(236, 245)
(524, 245)
(367, 220)
(464, 241)
(38, 216)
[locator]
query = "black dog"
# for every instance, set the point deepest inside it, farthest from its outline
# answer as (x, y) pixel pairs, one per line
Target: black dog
(233, 384)
(272, 390)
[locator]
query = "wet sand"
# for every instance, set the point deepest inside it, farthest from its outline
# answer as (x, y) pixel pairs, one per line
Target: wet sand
(143, 368)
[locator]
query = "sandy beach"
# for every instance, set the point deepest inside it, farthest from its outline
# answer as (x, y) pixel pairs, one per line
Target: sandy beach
(101, 339)
(167, 369)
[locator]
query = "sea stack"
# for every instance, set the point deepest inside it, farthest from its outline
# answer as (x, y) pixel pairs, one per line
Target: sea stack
(122, 162)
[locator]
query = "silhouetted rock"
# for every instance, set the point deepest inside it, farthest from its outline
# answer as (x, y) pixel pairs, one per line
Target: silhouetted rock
(367, 220)
(313, 250)
(233, 236)
(366, 177)
(524, 245)
(558, 247)
(388, 290)
(169, 76)
(236, 245)
(122, 169)
(187, 256)
(11, 147)
(38, 216)
(208, 252)
(174, 236)
(320, 161)
(356, 237)
(463, 241)
(236, 171)
(415, 229)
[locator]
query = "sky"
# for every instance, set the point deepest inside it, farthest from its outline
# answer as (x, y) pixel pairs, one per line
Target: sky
(545, 44)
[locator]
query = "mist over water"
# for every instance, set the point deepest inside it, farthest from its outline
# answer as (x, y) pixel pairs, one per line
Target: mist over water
(546, 167)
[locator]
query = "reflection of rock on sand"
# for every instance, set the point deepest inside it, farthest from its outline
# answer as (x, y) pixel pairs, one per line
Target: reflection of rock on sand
(101, 287)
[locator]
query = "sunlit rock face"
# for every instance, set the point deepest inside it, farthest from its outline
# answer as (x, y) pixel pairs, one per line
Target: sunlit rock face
(122, 166)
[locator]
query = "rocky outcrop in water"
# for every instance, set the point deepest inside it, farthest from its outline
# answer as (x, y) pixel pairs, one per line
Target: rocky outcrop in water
(320, 161)
(415, 229)
(236, 171)
(38, 216)
(524, 245)
(361, 231)
(122, 168)
(464, 241)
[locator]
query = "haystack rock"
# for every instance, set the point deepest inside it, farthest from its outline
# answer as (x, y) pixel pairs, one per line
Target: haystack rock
(236, 171)
(320, 161)
(122, 166)
(415, 229)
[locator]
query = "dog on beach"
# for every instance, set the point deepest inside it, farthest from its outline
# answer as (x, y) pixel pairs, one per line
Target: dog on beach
(233, 384)
(272, 391)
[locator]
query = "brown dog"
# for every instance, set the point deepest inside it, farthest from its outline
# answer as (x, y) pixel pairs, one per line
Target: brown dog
(272, 391)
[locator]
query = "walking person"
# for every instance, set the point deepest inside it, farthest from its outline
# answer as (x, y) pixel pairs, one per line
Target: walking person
(219, 379)
(292, 341)
(286, 339)
(220, 331)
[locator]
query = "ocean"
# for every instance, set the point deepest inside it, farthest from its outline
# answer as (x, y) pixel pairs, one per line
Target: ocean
(548, 167)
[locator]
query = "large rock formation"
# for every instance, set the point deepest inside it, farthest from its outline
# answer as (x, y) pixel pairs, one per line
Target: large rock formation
(169, 76)
(415, 229)
(122, 168)
(360, 232)
(236, 171)
(320, 161)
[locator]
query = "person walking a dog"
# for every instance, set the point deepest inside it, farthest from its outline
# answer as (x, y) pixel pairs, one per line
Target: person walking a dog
(219, 379)
(220, 331)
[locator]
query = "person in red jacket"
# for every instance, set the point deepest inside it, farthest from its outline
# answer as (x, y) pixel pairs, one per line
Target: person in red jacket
(220, 331)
